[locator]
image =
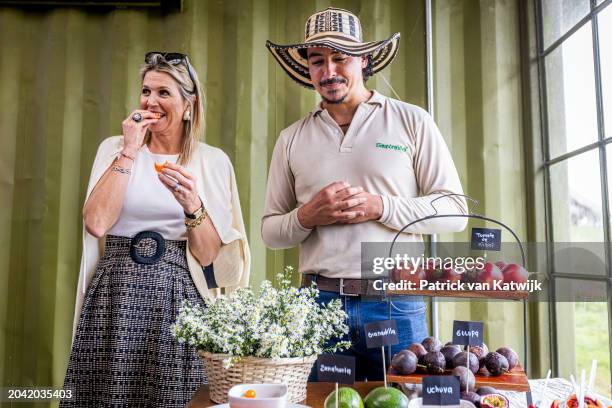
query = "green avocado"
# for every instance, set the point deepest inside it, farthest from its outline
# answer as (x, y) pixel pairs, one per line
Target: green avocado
(389, 397)
(347, 398)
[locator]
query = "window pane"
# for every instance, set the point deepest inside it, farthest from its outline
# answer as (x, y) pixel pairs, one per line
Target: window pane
(583, 335)
(609, 164)
(605, 52)
(570, 85)
(592, 342)
(584, 258)
(561, 15)
(576, 199)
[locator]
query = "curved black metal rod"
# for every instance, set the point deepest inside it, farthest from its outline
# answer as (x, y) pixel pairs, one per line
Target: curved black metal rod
(477, 216)
(472, 199)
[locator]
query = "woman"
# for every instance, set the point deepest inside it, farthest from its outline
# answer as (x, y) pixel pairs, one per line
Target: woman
(162, 205)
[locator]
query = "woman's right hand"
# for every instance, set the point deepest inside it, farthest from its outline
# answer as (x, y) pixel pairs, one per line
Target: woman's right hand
(134, 132)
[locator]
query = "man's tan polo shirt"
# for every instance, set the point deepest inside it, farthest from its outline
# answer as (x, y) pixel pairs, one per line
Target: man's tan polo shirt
(392, 149)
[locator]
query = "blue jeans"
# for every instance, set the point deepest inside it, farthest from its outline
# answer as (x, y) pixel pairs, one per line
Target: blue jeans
(407, 311)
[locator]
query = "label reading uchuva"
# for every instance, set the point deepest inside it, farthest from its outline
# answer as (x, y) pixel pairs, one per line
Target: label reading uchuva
(392, 147)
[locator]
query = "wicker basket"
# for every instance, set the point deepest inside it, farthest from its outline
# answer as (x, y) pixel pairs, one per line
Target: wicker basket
(252, 370)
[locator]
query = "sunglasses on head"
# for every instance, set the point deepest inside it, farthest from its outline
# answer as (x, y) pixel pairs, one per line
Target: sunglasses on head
(172, 58)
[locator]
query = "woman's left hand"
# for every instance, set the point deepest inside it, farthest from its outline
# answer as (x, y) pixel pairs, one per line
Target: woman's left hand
(182, 184)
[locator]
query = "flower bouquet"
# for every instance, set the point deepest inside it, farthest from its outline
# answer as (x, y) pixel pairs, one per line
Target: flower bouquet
(272, 335)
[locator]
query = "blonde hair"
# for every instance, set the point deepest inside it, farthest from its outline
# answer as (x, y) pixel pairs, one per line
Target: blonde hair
(191, 92)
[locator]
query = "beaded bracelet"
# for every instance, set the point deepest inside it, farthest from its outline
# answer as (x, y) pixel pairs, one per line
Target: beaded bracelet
(120, 169)
(191, 224)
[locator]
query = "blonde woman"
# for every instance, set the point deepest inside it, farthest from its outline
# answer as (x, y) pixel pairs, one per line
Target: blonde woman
(160, 207)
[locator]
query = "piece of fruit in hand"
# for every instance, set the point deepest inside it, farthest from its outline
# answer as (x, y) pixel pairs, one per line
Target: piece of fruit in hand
(160, 166)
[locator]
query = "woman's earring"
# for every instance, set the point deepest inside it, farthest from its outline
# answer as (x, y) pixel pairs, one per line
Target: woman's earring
(187, 115)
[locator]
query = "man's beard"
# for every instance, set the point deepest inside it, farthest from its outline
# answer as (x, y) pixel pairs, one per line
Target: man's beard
(336, 80)
(335, 101)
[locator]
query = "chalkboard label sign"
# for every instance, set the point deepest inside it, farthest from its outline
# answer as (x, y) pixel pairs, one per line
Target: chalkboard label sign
(441, 390)
(336, 368)
(379, 334)
(468, 333)
(487, 239)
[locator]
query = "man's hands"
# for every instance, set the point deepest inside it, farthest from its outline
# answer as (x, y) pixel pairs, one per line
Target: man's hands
(370, 209)
(339, 202)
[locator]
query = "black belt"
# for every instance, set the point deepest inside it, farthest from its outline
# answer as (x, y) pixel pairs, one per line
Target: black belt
(160, 250)
(346, 287)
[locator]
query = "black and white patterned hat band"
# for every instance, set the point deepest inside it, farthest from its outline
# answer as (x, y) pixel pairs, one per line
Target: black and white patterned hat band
(333, 21)
(339, 30)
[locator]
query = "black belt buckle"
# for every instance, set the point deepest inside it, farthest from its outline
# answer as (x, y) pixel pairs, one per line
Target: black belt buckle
(159, 252)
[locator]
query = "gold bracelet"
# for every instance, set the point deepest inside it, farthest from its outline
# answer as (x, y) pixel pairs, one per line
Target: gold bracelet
(191, 224)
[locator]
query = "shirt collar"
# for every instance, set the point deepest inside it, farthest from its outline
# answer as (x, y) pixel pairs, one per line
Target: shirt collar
(375, 99)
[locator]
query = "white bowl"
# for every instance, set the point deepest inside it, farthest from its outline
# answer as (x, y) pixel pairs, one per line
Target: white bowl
(418, 403)
(266, 396)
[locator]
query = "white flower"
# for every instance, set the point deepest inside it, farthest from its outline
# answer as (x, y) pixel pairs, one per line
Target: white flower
(272, 323)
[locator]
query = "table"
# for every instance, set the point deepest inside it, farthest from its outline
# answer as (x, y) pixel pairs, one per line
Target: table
(558, 388)
(316, 393)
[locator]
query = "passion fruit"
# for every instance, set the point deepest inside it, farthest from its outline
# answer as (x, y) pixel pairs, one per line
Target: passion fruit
(472, 397)
(467, 381)
(417, 349)
(510, 355)
(496, 364)
(461, 360)
(434, 362)
(449, 352)
(494, 401)
(484, 390)
(404, 362)
(431, 344)
(480, 352)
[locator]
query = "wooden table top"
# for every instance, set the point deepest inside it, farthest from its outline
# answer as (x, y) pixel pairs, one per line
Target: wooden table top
(515, 380)
(316, 393)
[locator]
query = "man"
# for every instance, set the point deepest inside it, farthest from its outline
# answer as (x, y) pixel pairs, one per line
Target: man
(358, 168)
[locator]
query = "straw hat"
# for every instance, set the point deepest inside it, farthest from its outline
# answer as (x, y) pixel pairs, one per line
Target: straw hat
(339, 30)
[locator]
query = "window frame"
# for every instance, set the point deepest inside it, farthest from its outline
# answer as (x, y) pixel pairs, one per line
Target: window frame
(600, 145)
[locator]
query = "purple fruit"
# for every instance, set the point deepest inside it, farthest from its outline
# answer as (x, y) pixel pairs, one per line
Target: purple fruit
(434, 362)
(510, 355)
(450, 352)
(421, 367)
(431, 344)
(484, 390)
(404, 362)
(472, 397)
(496, 364)
(467, 381)
(480, 351)
(461, 360)
(417, 349)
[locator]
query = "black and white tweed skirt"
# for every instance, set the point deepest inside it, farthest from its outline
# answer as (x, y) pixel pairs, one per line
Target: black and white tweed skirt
(124, 354)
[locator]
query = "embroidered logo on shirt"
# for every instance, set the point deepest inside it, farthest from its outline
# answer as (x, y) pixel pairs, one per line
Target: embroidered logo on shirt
(392, 147)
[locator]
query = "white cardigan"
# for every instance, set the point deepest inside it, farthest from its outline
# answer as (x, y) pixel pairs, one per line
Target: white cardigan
(216, 184)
